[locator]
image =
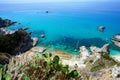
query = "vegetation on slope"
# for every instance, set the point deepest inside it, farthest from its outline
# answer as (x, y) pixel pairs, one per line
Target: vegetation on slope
(45, 68)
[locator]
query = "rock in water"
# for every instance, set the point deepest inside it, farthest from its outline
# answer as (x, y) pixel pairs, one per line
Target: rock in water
(101, 28)
(46, 11)
(116, 40)
(42, 36)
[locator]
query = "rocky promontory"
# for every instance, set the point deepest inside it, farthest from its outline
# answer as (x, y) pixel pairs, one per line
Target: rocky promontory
(13, 42)
(6, 22)
(16, 43)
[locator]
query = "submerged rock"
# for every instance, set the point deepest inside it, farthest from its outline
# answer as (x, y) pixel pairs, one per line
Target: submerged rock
(5, 22)
(26, 28)
(101, 28)
(116, 40)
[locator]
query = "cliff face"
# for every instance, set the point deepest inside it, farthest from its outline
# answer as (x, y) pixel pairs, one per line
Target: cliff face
(13, 42)
(16, 43)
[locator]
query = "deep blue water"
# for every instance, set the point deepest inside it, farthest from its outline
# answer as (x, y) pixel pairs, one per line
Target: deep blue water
(67, 25)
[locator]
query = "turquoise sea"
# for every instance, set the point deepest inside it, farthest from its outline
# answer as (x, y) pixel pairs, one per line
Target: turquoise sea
(68, 25)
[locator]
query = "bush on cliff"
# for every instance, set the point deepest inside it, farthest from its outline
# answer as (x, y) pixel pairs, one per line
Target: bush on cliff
(45, 68)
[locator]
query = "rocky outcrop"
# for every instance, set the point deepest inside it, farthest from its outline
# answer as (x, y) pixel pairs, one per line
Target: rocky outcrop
(104, 49)
(101, 28)
(4, 31)
(96, 58)
(13, 42)
(30, 54)
(94, 52)
(116, 40)
(35, 40)
(16, 43)
(6, 22)
(84, 54)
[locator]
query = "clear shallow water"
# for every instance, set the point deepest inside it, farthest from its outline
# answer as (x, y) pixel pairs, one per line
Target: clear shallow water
(67, 25)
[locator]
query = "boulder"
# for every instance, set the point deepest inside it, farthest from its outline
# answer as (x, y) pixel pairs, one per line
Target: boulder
(116, 40)
(101, 28)
(46, 11)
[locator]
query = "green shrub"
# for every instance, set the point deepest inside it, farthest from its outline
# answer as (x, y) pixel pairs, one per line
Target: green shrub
(4, 75)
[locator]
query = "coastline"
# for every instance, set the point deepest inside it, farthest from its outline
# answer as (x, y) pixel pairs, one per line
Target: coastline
(117, 57)
(55, 41)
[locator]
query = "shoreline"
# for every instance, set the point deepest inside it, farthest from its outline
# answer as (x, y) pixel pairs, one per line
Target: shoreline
(66, 57)
(116, 57)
